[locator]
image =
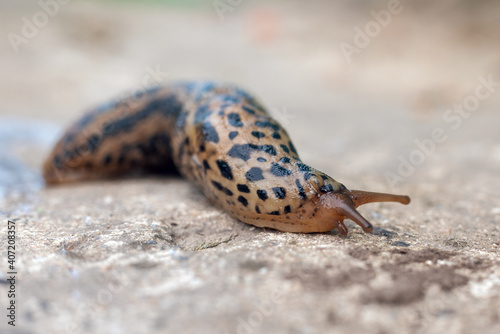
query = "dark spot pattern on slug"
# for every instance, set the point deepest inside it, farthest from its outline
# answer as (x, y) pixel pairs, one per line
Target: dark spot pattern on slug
(274, 213)
(248, 110)
(225, 170)
(166, 106)
(276, 135)
(324, 177)
(121, 159)
(307, 176)
(235, 120)
(287, 209)
(243, 151)
(126, 148)
(240, 152)
(206, 165)
(285, 148)
(267, 124)
(217, 185)
(243, 200)
(302, 192)
(303, 167)
(145, 92)
(89, 118)
(279, 192)
(134, 163)
(326, 188)
(69, 138)
(109, 128)
(93, 142)
(257, 209)
(262, 194)
(243, 188)
(232, 134)
(220, 187)
(258, 134)
(209, 132)
(279, 170)
(57, 162)
(202, 113)
(290, 144)
(107, 160)
(202, 148)
(144, 149)
(181, 120)
(285, 160)
(244, 94)
(269, 149)
(254, 174)
(69, 155)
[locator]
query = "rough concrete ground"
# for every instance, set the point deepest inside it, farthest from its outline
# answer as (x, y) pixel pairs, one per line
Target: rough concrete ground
(150, 254)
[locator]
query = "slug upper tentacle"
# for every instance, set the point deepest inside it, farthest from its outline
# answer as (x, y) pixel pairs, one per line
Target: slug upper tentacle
(222, 139)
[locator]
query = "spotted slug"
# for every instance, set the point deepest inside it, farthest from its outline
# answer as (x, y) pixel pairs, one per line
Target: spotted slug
(223, 140)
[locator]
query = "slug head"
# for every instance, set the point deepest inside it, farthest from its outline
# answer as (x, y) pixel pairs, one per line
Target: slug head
(337, 206)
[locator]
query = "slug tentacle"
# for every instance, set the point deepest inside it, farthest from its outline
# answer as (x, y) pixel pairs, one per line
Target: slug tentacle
(354, 215)
(360, 197)
(220, 138)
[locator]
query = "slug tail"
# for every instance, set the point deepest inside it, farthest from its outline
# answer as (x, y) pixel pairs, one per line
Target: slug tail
(360, 197)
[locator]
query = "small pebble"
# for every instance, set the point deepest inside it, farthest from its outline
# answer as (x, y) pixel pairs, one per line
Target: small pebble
(384, 233)
(400, 244)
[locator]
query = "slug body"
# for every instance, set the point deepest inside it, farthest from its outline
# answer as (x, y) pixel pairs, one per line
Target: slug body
(220, 138)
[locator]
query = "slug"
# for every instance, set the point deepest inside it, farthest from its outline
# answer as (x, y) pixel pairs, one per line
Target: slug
(223, 140)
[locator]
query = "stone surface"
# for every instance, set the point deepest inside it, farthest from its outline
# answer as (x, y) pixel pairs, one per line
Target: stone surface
(146, 255)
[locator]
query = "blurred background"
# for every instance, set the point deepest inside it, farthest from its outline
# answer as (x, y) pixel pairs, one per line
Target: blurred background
(361, 86)
(342, 70)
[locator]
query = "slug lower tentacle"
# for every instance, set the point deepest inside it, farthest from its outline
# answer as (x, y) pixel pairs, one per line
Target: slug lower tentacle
(222, 139)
